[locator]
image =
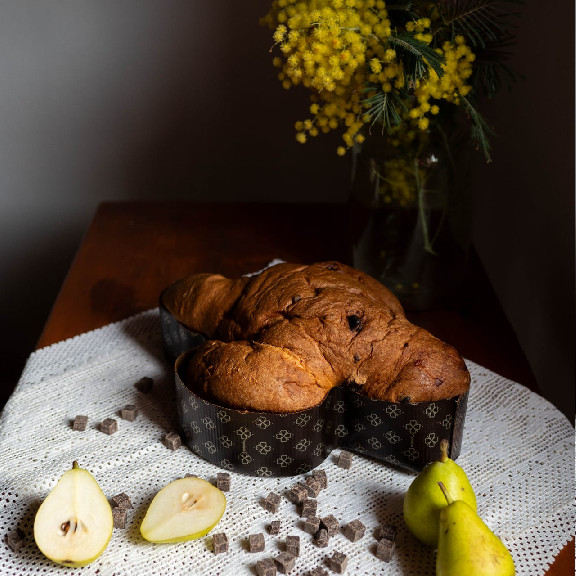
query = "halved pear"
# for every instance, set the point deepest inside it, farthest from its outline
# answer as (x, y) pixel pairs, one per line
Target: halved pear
(185, 509)
(74, 523)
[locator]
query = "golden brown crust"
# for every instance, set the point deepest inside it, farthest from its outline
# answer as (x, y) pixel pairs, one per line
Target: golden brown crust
(280, 340)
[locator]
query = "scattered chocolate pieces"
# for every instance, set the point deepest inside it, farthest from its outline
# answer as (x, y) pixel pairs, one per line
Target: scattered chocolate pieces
(145, 384)
(321, 538)
(309, 508)
(320, 476)
(274, 528)
(318, 572)
(285, 562)
(387, 531)
(293, 545)
(313, 487)
(121, 501)
(129, 412)
(344, 459)
(384, 549)
(172, 441)
(119, 516)
(266, 567)
(80, 423)
(312, 525)
(354, 530)
(331, 524)
(108, 426)
(220, 541)
(223, 481)
(338, 562)
(271, 502)
(297, 494)
(256, 542)
(15, 540)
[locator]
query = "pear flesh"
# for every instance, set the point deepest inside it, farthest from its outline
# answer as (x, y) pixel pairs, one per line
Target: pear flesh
(74, 523)
(423, 501)
(467, 546)
(185, 509)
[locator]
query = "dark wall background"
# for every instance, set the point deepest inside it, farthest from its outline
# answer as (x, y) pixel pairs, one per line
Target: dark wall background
(116, 100)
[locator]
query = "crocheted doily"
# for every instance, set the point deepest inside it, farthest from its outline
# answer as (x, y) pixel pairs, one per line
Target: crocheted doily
(518, 452)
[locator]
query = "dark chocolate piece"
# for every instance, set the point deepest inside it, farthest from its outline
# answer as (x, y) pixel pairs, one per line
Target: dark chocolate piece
(354, 530)
(121, 501)
(293, 545)
(119, 516)
(274, 528)
(15, 540)
(271, 502)
(172, 441)
(344, 459)
(80, 423)
(384, 549)
(320, 476)
(355, 323)
(256, 542)
(297, 494)
(223, 481)
(108, 426)
(266, 567)
(129, 412)
(338, 562)
(309, 508)
(312, 486)
(318, 571)
(145, 384)
(312, 524)
(285, 562)
(220, 542)
(321, 538)
(331, 524)
(387, 531)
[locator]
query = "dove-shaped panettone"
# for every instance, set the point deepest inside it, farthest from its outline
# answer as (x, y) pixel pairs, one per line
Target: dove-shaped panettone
(279, 340)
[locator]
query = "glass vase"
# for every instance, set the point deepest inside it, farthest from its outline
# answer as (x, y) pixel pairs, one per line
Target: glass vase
(411, 214)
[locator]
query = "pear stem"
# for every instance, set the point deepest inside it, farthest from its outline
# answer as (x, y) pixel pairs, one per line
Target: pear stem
(444, 450)
(446, 493)
(75, 465)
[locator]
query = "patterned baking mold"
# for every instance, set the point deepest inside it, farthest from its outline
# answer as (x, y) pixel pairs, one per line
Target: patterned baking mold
(401, 434)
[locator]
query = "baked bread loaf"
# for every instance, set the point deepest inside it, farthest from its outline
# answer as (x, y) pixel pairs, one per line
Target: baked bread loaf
(280, 340)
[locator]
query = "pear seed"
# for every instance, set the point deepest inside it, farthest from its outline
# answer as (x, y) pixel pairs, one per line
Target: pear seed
(188, 500)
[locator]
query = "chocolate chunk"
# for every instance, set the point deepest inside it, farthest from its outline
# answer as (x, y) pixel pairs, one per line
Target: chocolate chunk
(309, 508)
(387, 531)
(344, 459)
(15, 540)
(256, 542)
(293, 545)
(338, 562)
(312, 486)
(119, 516)
(108, 426)
(80, 423)
(172, 441)
(223, 481)
(297, 494)
(220, 542)
(121, 501)
(355, 323)
(318, 572)
(384, 549)
(285, 562)
(320, 476)
(145, 384)
(354, 530)
(312, 524)
(274, 528)
(321, 538)
(129, 412)
(331, 524)
(271, 502)
(266, 567)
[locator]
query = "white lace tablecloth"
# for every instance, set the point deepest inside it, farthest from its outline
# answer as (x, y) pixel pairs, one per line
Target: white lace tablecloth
(518, 451)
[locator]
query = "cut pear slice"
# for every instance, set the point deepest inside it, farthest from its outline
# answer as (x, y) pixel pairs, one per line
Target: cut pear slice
(74, 523)
(185, 509)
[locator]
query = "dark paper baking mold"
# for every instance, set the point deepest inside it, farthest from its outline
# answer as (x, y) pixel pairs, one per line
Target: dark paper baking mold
(401, 434)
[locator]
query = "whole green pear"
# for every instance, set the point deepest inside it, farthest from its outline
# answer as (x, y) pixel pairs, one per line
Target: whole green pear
(423, 501)
(467, 546)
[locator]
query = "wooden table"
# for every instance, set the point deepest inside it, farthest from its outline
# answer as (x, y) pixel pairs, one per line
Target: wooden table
(133, 250)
